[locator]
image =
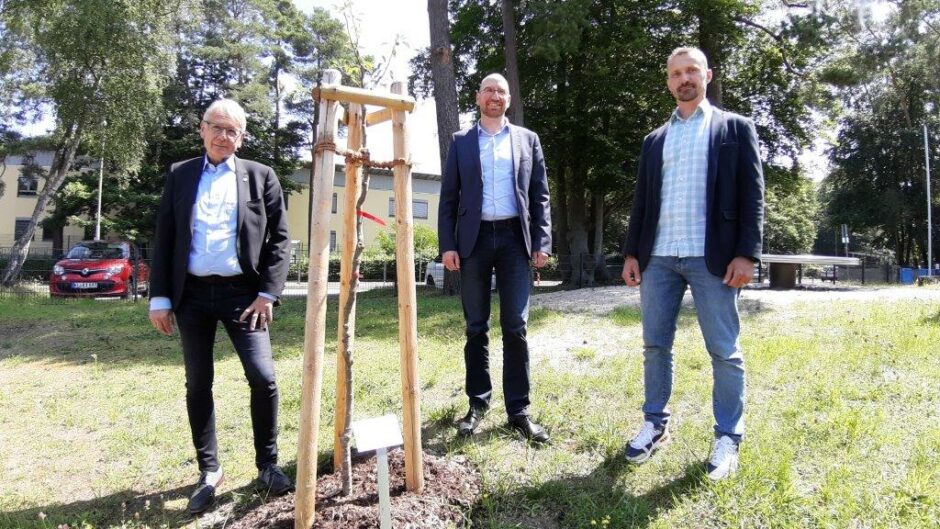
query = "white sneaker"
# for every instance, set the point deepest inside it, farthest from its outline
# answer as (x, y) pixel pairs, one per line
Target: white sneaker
(724, 461)
(645, 442)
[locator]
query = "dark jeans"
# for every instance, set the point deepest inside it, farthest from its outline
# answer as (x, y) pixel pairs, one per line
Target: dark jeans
(499, 246)
(202, 307)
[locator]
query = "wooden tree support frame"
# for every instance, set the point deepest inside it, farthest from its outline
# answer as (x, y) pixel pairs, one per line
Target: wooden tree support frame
(395, 106)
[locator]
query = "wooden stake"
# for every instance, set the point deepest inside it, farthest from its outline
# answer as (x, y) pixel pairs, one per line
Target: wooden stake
(407, 302)
(315, 323)
(379, 116)
(351, 196)
(346, 94)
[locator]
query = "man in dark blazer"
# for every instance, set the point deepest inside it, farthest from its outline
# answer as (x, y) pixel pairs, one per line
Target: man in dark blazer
(494, 215)
(697, 221)
(221, 255)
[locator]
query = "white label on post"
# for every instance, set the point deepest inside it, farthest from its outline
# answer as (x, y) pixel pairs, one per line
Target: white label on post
(377, 432)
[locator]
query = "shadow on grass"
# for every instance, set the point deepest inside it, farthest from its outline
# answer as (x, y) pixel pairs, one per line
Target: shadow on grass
(587, 501)
(129, 508)
(115, 335)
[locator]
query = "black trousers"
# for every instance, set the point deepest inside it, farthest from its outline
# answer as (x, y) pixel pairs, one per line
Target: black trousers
(203, 306)
(500, 250)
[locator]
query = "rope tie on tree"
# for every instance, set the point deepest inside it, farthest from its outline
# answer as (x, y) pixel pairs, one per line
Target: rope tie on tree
(360, 157)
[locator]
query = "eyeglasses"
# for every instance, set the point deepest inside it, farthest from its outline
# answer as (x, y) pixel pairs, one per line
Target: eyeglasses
(489, 91)
(218, 130)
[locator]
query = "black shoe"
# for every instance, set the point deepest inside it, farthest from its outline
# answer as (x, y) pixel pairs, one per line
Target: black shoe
(530, 430)
(203, 495)
(470, 421)
(273, 481)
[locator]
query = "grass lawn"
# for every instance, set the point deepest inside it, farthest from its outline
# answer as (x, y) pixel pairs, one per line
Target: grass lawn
(843, 418)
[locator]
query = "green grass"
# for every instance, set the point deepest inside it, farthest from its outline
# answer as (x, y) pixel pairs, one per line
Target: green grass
(842, 419)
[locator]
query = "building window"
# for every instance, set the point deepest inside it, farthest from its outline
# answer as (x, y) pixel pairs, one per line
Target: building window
(48, 234)
(332, 240)
(419, 208)
(20, 228)
(333, 206)
(26, 185)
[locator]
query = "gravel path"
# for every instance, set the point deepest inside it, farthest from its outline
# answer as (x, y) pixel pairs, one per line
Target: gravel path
(603, 300)
(581, 333)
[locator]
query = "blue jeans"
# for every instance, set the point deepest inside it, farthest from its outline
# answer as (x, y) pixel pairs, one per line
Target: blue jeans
(663, 284)
(499, 247)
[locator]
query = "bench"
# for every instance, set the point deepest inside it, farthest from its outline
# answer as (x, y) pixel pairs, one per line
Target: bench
(783, 268)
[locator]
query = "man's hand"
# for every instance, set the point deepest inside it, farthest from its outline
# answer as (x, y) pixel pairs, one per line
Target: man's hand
(451, 260)
(162, 321)
(259, 314)
(740, 272)
(631, 272)
(539, 259)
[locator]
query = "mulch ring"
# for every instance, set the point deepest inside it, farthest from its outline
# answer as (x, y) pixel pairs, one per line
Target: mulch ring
(451, 487)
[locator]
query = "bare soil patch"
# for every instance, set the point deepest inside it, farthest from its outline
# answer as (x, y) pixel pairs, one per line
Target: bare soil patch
(451, 487)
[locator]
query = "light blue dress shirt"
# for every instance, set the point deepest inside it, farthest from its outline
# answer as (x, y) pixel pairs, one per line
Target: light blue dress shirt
(214, 249)
(499, 185)
(681, 229)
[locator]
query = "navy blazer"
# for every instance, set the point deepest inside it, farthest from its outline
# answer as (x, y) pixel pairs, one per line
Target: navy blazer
(461, 206)
(263, 242)
(734, 202)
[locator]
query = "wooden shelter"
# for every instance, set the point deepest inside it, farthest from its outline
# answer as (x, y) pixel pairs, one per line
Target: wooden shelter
(394, 106)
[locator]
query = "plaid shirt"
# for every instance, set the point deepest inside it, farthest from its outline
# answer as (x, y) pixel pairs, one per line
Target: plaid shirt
(681, 229)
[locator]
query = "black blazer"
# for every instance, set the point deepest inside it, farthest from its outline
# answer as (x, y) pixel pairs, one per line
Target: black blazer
(263, 243)
(461, 206)
(734, 207)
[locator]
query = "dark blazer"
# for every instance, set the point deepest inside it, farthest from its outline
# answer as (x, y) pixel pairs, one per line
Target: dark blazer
(734, 207)
(263, 243)
(461, 206)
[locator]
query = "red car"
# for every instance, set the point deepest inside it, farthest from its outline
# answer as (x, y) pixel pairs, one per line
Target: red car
(99, 268)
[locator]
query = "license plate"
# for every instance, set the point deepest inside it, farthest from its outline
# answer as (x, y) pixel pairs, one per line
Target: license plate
(84, 285)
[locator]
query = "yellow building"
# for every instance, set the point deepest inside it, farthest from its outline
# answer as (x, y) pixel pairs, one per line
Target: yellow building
(380, 202)
(19, 200)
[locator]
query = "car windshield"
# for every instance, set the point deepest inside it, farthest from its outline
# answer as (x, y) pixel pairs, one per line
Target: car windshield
(96, 250)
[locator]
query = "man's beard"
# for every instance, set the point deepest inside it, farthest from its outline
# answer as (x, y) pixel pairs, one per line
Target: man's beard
(687, 93)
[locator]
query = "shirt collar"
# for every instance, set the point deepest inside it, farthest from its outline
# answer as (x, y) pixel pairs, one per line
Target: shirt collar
(704, 109)
(228, 162)
(504, 128)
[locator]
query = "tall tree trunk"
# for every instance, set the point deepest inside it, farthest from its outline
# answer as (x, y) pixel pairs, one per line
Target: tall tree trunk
(581, 260)
(708, 42)
(442, 76)
(64, 156)
(600, 265)
(516, 114)
(276, 120)
(559, 217)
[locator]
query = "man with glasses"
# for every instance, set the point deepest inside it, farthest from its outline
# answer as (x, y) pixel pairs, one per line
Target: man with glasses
(221, 255)
(494, 215)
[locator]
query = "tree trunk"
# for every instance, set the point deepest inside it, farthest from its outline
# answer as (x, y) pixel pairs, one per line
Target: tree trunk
(64, 156)
(442, 76)
(708, 41)
(600, 265)
(516, 114)
(578, 238)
